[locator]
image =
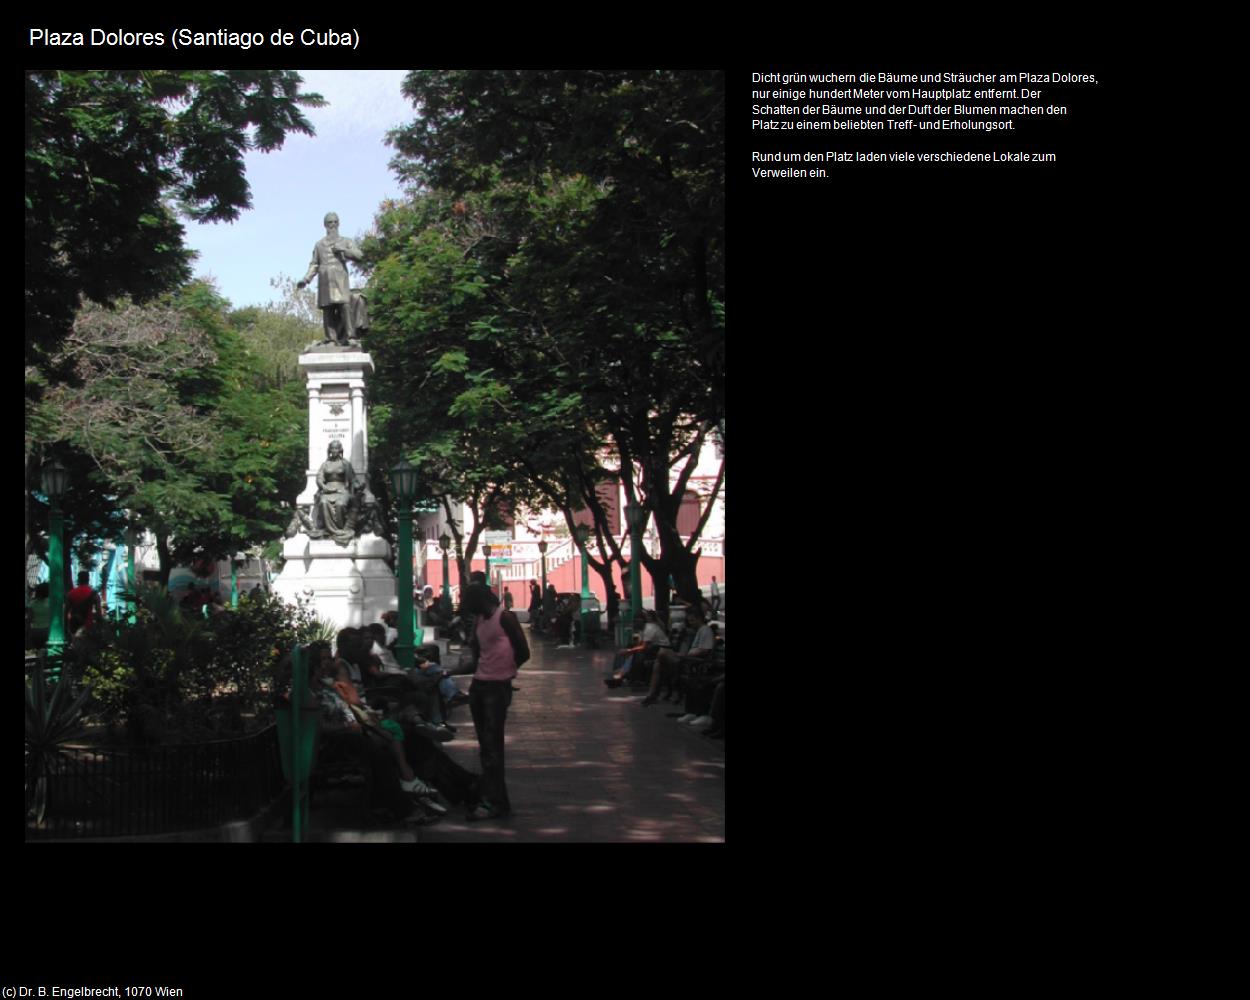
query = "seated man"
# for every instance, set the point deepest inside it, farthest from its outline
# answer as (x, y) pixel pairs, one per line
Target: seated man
(425, 673)
(668, 665)
(702, 689)
(652, 640)
(713, 723)
(390, 621)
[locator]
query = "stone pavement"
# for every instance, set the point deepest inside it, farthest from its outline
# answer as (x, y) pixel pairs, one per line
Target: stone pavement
(584, 764)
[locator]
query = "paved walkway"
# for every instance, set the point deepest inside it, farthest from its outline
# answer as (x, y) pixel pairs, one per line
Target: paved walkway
(585, 764)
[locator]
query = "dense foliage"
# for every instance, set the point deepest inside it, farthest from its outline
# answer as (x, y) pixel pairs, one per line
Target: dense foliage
(111, 156)
(175, 677)
(177, 421)
(552, 293)
(53, 719)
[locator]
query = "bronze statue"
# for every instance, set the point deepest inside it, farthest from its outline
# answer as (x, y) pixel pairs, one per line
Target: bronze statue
(370, 519)
(343, 311)
(300, 523)
(336, 503)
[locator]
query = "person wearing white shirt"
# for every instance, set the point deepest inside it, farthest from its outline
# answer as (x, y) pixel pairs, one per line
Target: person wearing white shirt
(669, 664)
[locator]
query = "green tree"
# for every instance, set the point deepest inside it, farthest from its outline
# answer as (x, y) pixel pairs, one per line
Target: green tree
(653, 142)
(175, 416)
(277, 334)
(556, 283)
(112, 155)
(111, 158)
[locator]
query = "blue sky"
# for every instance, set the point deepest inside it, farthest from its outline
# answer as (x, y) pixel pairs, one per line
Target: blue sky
(343, 168)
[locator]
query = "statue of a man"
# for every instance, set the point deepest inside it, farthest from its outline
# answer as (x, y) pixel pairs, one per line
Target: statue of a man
(336, 495)
(334, 290)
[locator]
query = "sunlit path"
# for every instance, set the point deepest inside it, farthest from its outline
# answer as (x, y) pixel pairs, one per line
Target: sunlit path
(586, 764)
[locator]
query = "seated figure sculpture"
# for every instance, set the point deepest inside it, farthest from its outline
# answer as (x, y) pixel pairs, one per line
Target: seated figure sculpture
(337, 505)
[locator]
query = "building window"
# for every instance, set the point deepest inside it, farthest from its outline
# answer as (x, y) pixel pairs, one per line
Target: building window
(688, 514)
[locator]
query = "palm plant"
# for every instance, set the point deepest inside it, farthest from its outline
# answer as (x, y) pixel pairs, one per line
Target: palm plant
(50, 724)
(322, 631)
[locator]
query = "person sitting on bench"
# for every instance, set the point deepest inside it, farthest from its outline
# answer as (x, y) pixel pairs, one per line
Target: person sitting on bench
(668, 665)
(652, 640)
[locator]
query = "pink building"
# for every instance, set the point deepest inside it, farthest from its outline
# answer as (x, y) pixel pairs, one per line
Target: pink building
(564, 560)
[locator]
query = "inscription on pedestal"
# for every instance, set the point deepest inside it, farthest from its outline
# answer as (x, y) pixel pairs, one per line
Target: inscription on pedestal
(336, 420)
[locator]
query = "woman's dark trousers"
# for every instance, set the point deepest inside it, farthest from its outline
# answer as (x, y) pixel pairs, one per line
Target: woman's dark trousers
(489, 701)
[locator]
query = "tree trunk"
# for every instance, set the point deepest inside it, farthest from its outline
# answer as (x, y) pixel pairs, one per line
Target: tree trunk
(659, 583)
(604, 570)
(681, 563)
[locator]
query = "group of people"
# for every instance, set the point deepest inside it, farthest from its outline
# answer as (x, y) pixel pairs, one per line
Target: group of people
(552, 615)
(83, 609)
(401, 715)
(436, 610)
(680, 671)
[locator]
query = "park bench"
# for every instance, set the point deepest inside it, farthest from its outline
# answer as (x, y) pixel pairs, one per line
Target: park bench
(697, 681)
(342, 762)
(640, 673)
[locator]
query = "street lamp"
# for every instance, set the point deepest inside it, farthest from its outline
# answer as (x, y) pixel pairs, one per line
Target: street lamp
(132, 540)
(582, 531)
(636, 518)
(404, 486)
(486, 552)
(444, 543)
(54, 479)
(542, 551)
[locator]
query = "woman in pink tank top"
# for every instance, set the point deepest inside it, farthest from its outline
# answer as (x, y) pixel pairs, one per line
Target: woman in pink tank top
(501, 648)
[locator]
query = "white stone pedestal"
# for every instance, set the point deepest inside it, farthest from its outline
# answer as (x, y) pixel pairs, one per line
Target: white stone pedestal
(349, 585)
(336, 410)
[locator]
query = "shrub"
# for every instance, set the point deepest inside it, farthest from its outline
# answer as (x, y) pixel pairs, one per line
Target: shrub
(52, 720)
(177, 677)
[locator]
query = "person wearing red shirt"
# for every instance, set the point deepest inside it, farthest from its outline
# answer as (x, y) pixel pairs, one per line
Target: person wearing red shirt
(82, 604)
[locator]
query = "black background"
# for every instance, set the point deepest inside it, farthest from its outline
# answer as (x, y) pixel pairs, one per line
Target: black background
(920, 360)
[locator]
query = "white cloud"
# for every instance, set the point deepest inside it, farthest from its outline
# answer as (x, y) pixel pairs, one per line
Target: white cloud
(361, 102)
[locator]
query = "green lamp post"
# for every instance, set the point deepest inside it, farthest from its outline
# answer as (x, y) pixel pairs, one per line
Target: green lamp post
(404, 485)
(486, 552)
(542, 552)
(636, 518)
(235, 561)
(582, 532)
(55, 479)
(132, 540)
(444, 543)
